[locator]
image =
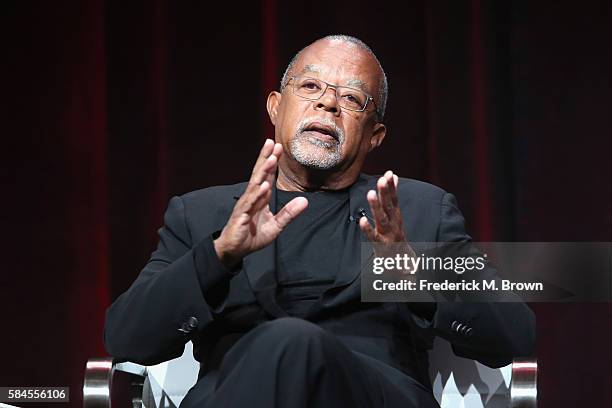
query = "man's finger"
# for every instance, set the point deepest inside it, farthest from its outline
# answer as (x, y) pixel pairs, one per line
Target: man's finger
(267, 168)
(249, 202)
(268, 150)
(367, 229)
(277, 152)
(269, 177)
(385, 197)
(264, 153)
(253, 199)
(380, 218)
(262, 200)
(291, 210)
(392, 187)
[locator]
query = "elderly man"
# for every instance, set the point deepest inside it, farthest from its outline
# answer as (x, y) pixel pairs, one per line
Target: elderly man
(264, 278)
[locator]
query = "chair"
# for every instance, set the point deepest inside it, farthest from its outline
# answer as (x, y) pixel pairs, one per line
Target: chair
(457, 382)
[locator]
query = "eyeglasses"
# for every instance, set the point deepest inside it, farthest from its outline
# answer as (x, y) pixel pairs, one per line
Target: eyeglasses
(348, 98)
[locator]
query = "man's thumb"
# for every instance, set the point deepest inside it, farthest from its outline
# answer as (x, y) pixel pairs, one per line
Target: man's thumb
(291, 210)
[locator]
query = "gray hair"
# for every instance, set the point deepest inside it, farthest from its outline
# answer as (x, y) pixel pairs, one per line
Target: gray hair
(383, 88)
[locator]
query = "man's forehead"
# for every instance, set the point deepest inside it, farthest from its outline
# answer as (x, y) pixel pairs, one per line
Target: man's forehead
(348, 78)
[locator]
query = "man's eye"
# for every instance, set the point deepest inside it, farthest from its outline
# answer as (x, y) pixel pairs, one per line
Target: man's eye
(352, 99)
(311, 86)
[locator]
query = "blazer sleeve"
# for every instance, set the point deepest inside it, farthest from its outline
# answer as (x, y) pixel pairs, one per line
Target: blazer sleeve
(167, 303)
(499, 330)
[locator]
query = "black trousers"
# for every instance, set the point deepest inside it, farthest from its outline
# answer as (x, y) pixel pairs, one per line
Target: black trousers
(292, 363)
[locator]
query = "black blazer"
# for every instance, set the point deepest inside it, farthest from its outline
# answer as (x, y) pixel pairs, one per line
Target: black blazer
(184, 293)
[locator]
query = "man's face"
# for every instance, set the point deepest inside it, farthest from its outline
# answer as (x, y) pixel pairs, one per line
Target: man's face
(320, 134)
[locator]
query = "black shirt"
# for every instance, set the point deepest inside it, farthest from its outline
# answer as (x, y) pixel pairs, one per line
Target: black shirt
(309, 250)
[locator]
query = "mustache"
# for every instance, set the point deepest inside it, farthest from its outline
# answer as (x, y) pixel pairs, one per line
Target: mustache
(306, 123)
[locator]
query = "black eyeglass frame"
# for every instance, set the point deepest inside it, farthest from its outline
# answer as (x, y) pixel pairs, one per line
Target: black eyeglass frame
(335, 87)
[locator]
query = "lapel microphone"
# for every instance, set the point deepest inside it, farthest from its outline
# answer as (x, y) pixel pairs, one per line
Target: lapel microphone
(361, 212)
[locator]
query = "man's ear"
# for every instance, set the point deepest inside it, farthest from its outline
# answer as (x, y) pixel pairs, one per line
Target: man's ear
(380, 131)
(272, 103)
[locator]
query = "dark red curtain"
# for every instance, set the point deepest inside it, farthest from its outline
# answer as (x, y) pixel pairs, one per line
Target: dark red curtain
(112, 107)
(55, 278)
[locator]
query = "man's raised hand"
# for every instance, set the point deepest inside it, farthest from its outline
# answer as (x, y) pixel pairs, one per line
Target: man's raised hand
(388, 230)
(389, 226)
(252, 225)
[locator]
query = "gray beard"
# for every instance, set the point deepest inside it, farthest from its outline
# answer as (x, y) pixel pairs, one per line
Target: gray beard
(315, 153)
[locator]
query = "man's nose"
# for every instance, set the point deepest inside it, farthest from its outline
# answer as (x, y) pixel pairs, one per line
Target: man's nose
(328, 102)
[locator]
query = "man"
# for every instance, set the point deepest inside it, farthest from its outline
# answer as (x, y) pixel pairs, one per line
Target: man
(263, 277)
